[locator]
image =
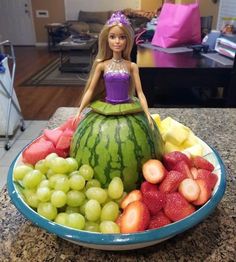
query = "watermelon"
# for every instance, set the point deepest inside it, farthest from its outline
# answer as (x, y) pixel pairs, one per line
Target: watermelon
(116, 146)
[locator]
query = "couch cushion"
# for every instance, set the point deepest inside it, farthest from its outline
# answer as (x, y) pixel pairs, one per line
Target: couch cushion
(79, 27)
(95, 27)
(94, 17)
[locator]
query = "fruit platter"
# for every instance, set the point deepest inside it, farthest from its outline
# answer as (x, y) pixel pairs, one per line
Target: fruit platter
(74, 198)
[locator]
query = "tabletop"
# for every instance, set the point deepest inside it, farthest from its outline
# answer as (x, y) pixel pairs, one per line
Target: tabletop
(212, 240)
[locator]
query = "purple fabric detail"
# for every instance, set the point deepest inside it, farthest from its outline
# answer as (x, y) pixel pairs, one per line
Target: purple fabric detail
(117, 87)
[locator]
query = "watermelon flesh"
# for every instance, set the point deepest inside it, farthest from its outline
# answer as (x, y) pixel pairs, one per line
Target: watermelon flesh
(116, 145)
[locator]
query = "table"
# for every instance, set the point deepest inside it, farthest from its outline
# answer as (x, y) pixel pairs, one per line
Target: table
(212, 240)
(77, 55)
(185, 70)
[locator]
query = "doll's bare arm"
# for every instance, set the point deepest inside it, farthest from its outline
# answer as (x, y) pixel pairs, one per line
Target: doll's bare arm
(139, 91)
(90, 90)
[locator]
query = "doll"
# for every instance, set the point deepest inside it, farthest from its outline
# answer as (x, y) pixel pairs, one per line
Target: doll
(114, 78)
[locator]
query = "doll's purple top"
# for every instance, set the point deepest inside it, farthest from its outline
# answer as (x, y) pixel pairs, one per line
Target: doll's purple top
(117, 83)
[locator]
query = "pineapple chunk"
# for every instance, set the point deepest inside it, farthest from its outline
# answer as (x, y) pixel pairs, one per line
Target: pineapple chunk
(190, 141)
(196, 150)
(176, 133)
(157, 119)
(169, 147)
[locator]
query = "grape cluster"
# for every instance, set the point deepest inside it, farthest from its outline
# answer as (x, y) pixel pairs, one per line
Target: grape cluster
(61, 191)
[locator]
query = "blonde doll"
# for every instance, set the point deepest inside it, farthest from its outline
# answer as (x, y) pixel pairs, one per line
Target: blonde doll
(114, 78)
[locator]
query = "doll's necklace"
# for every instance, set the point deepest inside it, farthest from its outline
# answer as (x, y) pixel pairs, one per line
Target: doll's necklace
(117, 60)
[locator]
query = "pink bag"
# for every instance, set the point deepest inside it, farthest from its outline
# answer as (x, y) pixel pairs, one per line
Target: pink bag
(178, 25)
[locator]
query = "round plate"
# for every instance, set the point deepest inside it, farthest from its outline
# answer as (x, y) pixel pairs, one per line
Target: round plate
(123, 241)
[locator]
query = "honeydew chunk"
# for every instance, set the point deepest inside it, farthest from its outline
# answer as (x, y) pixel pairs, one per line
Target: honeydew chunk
(196, 150)
(169, 147)
(176, 133)
(165, 124)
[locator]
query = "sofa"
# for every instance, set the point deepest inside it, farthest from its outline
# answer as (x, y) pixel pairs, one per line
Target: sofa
(92, 22)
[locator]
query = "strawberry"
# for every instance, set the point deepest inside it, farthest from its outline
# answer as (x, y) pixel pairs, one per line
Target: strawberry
(131, 197)
(205, 192)
(146, 186)
(153, 171)
(171, 182)
(135, 218)
(183, 168)
(159, 220)
(201, 163)
(209, 177)
(172, 158)
(154, 200)
(189, 189)
(177, 207)
(194, 172)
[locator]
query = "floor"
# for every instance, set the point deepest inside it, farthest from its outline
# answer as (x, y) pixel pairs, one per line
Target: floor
(18, 142)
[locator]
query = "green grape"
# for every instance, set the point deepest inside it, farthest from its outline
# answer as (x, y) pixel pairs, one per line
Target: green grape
(58, 198)
(53, 179)
(110, 211)
(47, 210)
(70, 210)
(76, 182)
(97, 193)
(75, 198)
(42, 166)
(50, 173)
(93, 183)
(74, 173)
(49, 157)
(73, 164)
(59, 165)
(86, 171)
(61, 218)
(115, 188)
(62, 183)
(82, 207)
(43, 194)
(20, 171)
(32, 179)
(31, 197)
(92, 210)
(109, 227)
(44, 183)
(91, 226)
(75, 220)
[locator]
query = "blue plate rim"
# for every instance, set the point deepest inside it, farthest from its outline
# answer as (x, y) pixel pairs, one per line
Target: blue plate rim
(99, 239)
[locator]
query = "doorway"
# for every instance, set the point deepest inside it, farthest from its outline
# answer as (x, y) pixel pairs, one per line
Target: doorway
(16, 22)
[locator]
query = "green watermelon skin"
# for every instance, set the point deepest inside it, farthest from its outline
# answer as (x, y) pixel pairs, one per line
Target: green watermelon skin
(116, 146)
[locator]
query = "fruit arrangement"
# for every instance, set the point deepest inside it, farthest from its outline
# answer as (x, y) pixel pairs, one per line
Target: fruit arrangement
(108, 188)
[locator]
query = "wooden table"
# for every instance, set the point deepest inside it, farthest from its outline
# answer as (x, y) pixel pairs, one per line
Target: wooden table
(212, 240)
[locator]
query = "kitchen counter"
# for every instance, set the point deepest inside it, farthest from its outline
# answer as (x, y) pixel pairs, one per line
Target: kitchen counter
(212, 240)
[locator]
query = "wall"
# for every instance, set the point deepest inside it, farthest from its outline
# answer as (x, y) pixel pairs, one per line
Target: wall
(56, 14)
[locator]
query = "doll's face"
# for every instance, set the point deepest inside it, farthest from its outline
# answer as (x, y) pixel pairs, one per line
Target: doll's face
(117, 39)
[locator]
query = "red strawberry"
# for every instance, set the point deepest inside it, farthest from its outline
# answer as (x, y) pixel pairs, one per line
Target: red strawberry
(189, 189)
(177, 207)
(194, 172)
(159, 220)
(182, 167)
(154, 200)
(146, 186)
(135, 218)
(172, 158)
(131, 197)
(153, 171)
(171, 182)
(205, 192)
(200, 162)
(209, 177)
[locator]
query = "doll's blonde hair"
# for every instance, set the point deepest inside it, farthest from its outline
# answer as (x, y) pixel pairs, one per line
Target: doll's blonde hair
(105, 53)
